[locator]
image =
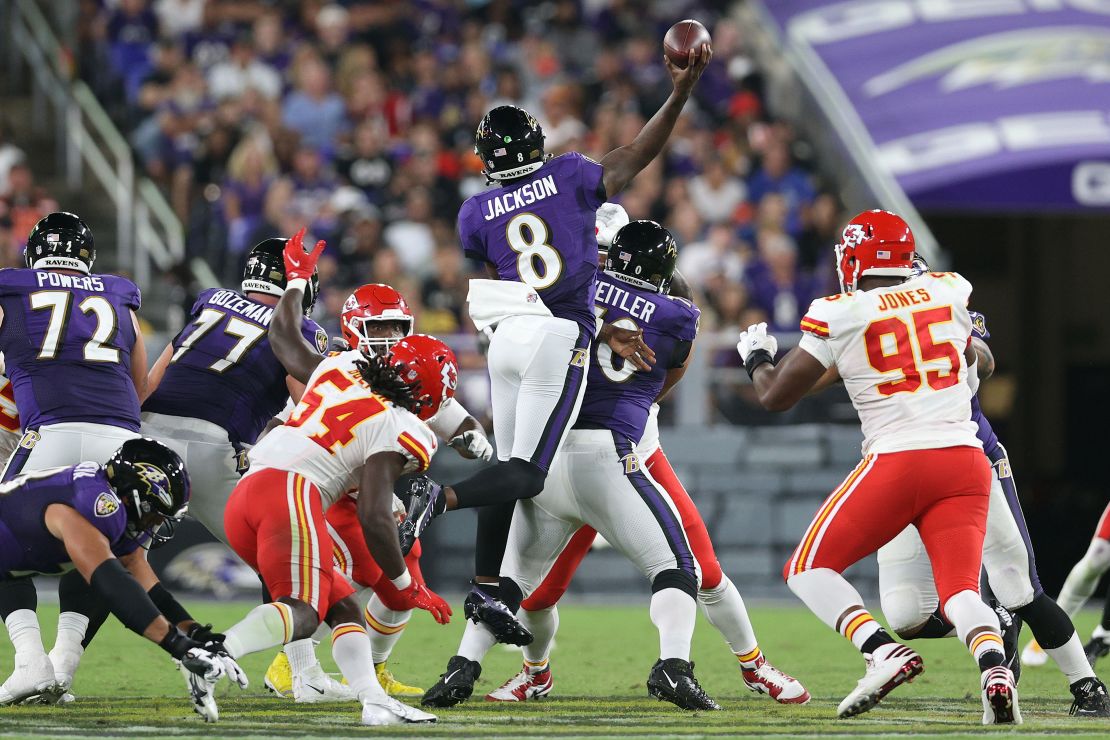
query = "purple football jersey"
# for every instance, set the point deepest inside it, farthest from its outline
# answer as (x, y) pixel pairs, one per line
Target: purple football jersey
(618, 397)
(67, 343)
(223, 369)
(26, 546)
(539, 230)
(986, 433)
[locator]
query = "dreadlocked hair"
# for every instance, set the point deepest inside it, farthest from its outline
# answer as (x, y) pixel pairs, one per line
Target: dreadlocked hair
(385, 380)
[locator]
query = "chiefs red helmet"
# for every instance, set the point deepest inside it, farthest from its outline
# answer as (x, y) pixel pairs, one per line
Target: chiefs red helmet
(372, 303)
(430, 367)
(875, 243)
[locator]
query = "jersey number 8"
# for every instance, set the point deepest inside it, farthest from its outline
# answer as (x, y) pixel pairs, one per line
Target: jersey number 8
(538, 263)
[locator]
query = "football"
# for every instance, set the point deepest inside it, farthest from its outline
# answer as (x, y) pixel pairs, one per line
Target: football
(681, 38)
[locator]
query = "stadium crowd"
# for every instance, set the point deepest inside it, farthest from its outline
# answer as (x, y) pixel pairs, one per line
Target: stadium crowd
(358, 117)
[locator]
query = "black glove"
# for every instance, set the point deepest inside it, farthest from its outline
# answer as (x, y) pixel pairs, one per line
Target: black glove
(203, 634)
(177, 643)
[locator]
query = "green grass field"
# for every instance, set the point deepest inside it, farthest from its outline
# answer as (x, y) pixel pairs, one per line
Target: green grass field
(127, 687)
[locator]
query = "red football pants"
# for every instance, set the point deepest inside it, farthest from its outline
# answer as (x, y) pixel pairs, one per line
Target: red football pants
(557, 581)
(1103, 529)
(944, 492)
(352, 558)
(275, 522)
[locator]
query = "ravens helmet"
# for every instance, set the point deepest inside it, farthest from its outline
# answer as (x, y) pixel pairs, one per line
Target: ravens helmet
(265, 272)
(643, 254)
(60, 240)
(509, 142)
(151, 481)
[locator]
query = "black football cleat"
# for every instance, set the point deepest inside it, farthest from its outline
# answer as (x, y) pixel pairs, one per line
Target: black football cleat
(1097, 648)
(455, 685)
(1011, 634)
(673, 680)
(482, 608)
(1091, 699)
(426, 502)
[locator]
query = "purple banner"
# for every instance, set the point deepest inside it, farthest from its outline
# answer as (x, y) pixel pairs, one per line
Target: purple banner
(970, 104)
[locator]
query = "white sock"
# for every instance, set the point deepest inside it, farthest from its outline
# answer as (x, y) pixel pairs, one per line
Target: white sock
(673, 613)
(1071, 659)
(23, 629)
(67, 651)
(725, 610)
(265, 626)
(386, 627)
(543, 624)
(976, 623)
(835, 602)
(1084, 577)
(301, 655)
(476, 641)
(350, 647)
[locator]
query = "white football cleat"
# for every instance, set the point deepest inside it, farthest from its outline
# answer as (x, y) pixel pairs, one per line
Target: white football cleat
(31, 682)
(65, 667)
(890, 666)
(1034, 655)
(385, 710)
(524, 686)
(1000, 697)
(766, 679)
(202, 692)
(317, 686)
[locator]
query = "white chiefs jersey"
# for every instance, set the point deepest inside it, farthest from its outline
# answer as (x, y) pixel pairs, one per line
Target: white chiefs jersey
(9, 419)
(900, 352)
(339, 423)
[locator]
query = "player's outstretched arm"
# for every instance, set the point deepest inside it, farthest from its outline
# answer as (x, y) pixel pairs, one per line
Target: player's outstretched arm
(983, 358)
(629, 344)
(157, 372)
(379, 527)
(780, 387)
(138, 361)
(297, 356)
(139, 567)
(624, 163)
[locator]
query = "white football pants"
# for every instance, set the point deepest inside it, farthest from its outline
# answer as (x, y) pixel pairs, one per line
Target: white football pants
(63, 444)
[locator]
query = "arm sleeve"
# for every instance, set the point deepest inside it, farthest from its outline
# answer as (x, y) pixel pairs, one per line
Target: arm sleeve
(413, 440)
(819, 348)
(816, 332)
(451, 415)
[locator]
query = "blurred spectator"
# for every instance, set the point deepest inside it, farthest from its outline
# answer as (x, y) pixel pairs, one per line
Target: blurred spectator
(22, 207)
(243, 71)
(776, 284)
(304, 194)
(132, 28)
(269, 41)
(825, 224)
(251, 171)
(777, 174)
(365, 164)
(10, 155)
(411, 235)
(313, 110)
(716, 194)
(332, 29)
(178, 17)
(719, 254)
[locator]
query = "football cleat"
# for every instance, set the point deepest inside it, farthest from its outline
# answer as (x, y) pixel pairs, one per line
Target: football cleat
(316, 686)
(455, 685)
(1098, 647)
(1010, 624)
(1034, 655)
(766, 679)
(890, 666)
(1091, 699)
(1000, 697)
(202, 692)
(524, 686)
(673, 680)
(392, 686)
(384, 710)
(481, 608)
(32, 682)
(279, 676)
(426, 502)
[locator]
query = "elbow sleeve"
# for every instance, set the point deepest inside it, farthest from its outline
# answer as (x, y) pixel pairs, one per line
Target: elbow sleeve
(124, 596)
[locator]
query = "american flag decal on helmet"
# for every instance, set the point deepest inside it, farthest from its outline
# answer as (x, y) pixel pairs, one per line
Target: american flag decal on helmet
(882, 254)
(500, 152)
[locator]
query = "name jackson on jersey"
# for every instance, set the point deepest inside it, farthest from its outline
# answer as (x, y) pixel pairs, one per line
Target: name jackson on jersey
(525, 195)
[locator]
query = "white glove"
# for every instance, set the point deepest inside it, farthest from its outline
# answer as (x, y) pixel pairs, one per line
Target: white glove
(756, 338)
(473, 444)
(212, 666)
(610, 219)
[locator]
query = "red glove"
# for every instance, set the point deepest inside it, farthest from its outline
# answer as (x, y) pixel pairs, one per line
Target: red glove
(419, 596)
(298, 263)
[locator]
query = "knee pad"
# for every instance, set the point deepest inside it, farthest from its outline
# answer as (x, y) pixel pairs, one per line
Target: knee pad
(523, 476)
(906, 610)
(1011, 585)
(683, 580)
